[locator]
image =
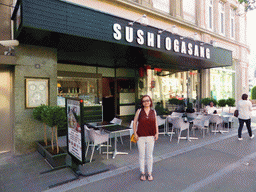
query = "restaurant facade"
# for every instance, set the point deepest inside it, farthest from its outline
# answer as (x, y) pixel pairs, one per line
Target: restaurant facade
(110, 53)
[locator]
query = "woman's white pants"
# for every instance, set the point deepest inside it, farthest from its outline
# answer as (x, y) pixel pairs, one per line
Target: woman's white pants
(146, 147)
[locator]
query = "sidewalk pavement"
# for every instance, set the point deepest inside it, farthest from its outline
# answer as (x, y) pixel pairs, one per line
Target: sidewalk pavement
(23, 173)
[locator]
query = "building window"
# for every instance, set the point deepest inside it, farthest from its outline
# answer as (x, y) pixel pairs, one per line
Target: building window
(232, 22)
(163, 5)
(209, 13)
(189, 10)
(221, 18)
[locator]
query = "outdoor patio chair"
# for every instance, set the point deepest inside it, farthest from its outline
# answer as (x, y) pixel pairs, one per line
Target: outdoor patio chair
(191, 116)
(228, 118)
(117, 122)
(98, 138)
(87, 139)
(201, 123)
(216, 121)
(131, 132)
(160, 122)
(180, 125)
(176, 114)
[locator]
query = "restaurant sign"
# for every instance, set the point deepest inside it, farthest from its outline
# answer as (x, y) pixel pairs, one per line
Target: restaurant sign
(169, 42)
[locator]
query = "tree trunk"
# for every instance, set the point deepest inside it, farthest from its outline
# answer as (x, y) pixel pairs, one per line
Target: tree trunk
(45, 135)
(56, 135)
(52, 138)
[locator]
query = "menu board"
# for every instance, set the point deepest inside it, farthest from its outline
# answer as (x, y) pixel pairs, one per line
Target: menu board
(36, 92)
(75, 137)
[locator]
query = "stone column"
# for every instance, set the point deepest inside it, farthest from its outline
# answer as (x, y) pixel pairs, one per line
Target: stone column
(32, 62)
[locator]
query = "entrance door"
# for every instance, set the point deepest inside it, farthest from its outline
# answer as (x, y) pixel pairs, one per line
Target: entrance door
(5, 111)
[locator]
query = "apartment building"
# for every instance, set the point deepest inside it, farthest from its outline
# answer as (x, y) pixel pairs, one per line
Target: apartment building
(115, 51)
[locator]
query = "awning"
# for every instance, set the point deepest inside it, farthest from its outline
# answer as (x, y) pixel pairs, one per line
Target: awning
(86, 36)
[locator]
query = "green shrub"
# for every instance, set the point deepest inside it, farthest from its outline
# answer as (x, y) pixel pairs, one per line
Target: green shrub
(37, 112)
(206, 101)
(222, 102)
(253, 93)
(230, 102)
(181, 102)
(174, 101)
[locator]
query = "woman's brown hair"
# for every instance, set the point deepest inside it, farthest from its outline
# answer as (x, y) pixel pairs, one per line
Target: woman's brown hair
(141, 101)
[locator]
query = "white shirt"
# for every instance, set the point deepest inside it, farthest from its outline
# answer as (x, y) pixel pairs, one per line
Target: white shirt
(244, 108)
(210, 109)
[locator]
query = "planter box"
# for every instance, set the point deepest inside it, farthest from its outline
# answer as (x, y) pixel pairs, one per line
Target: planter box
(56, 160)
(41, 147)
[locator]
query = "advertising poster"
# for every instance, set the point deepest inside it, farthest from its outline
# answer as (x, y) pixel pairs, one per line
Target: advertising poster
(74, 129)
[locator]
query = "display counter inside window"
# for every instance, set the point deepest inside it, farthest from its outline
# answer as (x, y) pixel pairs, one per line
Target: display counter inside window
(88, 89)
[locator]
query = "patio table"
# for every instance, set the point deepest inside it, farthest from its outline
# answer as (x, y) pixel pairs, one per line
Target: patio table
(114, 129)
(100, 124)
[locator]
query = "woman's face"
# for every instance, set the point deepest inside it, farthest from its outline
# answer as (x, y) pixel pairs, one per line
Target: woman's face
(146, 102)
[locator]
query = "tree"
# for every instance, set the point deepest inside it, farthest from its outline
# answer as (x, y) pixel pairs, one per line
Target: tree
(54, 117)
(249, 4)
(39, 114)
(222, 103)
(253, 93)
(230, 102)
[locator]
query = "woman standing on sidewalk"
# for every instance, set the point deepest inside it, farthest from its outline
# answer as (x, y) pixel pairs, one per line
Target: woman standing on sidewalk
(244, 108)
(146, 134)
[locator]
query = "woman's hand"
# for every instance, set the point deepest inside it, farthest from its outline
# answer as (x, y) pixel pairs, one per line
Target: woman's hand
(136, 136)
(156, 136)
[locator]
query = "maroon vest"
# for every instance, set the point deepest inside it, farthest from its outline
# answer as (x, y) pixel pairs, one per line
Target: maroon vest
(147, 124)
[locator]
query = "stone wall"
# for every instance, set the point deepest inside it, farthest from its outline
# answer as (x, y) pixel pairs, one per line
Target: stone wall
(26, 129)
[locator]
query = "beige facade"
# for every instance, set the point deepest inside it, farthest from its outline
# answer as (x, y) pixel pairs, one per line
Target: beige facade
(161, 14)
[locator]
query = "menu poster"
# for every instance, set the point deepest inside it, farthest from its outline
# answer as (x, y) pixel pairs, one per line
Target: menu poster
(74, 138)
(36, 92)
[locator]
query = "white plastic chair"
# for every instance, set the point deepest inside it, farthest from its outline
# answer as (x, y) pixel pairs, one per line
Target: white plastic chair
(176, 114)
(191, 116)
(201, 123)
(98, 138)
(228, 118)
(87, 139)
(131, 132)
(216, 120)
(160, 122)
(117, 122)
(178, 123)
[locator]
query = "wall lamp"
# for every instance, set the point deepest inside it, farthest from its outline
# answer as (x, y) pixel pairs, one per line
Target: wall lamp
(174, 30)
(196, 37)
(10, 44)
(213, 43)
(143, 21)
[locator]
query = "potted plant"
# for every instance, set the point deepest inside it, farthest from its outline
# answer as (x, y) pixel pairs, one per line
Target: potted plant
(205, 101)
(55, 116)
(230, 102)
(222, 103)
(38, 114)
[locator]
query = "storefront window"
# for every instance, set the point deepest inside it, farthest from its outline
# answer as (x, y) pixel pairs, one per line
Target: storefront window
(222, 83)
(163, 85)
(88, 89)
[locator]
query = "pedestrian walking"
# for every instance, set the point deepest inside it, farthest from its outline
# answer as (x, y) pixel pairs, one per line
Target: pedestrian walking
(146, 133)
(244, 108)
